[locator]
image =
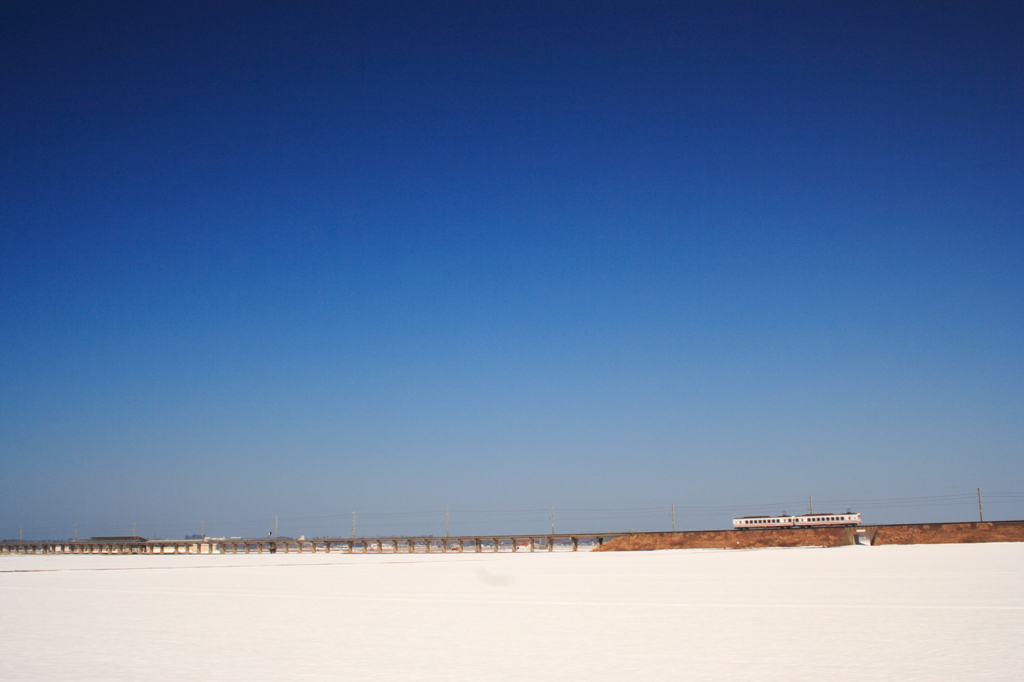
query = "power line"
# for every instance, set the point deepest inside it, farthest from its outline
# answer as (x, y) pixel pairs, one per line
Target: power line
(574, 516)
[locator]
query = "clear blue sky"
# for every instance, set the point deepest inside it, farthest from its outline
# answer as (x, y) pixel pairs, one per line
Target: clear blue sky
(288, 259)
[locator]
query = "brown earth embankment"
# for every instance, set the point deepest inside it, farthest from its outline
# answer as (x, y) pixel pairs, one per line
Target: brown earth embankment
(904, 534)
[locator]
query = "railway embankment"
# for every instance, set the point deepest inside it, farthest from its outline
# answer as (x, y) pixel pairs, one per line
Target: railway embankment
(895, 534)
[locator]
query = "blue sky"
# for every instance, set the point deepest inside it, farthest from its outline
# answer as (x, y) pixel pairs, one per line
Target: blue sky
(263, 259)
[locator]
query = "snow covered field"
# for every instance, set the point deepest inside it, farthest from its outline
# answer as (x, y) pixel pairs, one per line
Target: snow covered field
(925, 612)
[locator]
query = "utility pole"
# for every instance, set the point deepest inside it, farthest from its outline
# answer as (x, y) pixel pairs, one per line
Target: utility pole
(981, 515)
(810, 505)
(353, 525)
(275, 527)
(76, 532)
(552, 519)
(673, 517)
(447, 524)
(21, 533)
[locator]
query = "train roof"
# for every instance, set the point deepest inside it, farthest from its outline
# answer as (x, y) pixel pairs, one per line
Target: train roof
(828, 514)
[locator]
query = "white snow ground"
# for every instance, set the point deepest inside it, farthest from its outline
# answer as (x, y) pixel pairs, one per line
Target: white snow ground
(926, 612)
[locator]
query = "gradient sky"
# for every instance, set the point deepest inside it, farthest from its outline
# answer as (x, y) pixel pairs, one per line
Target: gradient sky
(288, 259)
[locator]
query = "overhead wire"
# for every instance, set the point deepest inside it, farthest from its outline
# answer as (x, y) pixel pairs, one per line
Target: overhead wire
(393, 519)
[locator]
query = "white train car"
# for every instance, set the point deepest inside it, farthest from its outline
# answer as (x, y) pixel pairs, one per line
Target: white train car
(800, 521)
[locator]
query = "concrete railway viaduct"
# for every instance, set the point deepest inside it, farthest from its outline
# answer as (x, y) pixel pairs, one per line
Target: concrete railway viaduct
(403, 545)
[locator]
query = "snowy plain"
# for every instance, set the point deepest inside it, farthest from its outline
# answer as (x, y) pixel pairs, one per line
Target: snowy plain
(924, 612)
